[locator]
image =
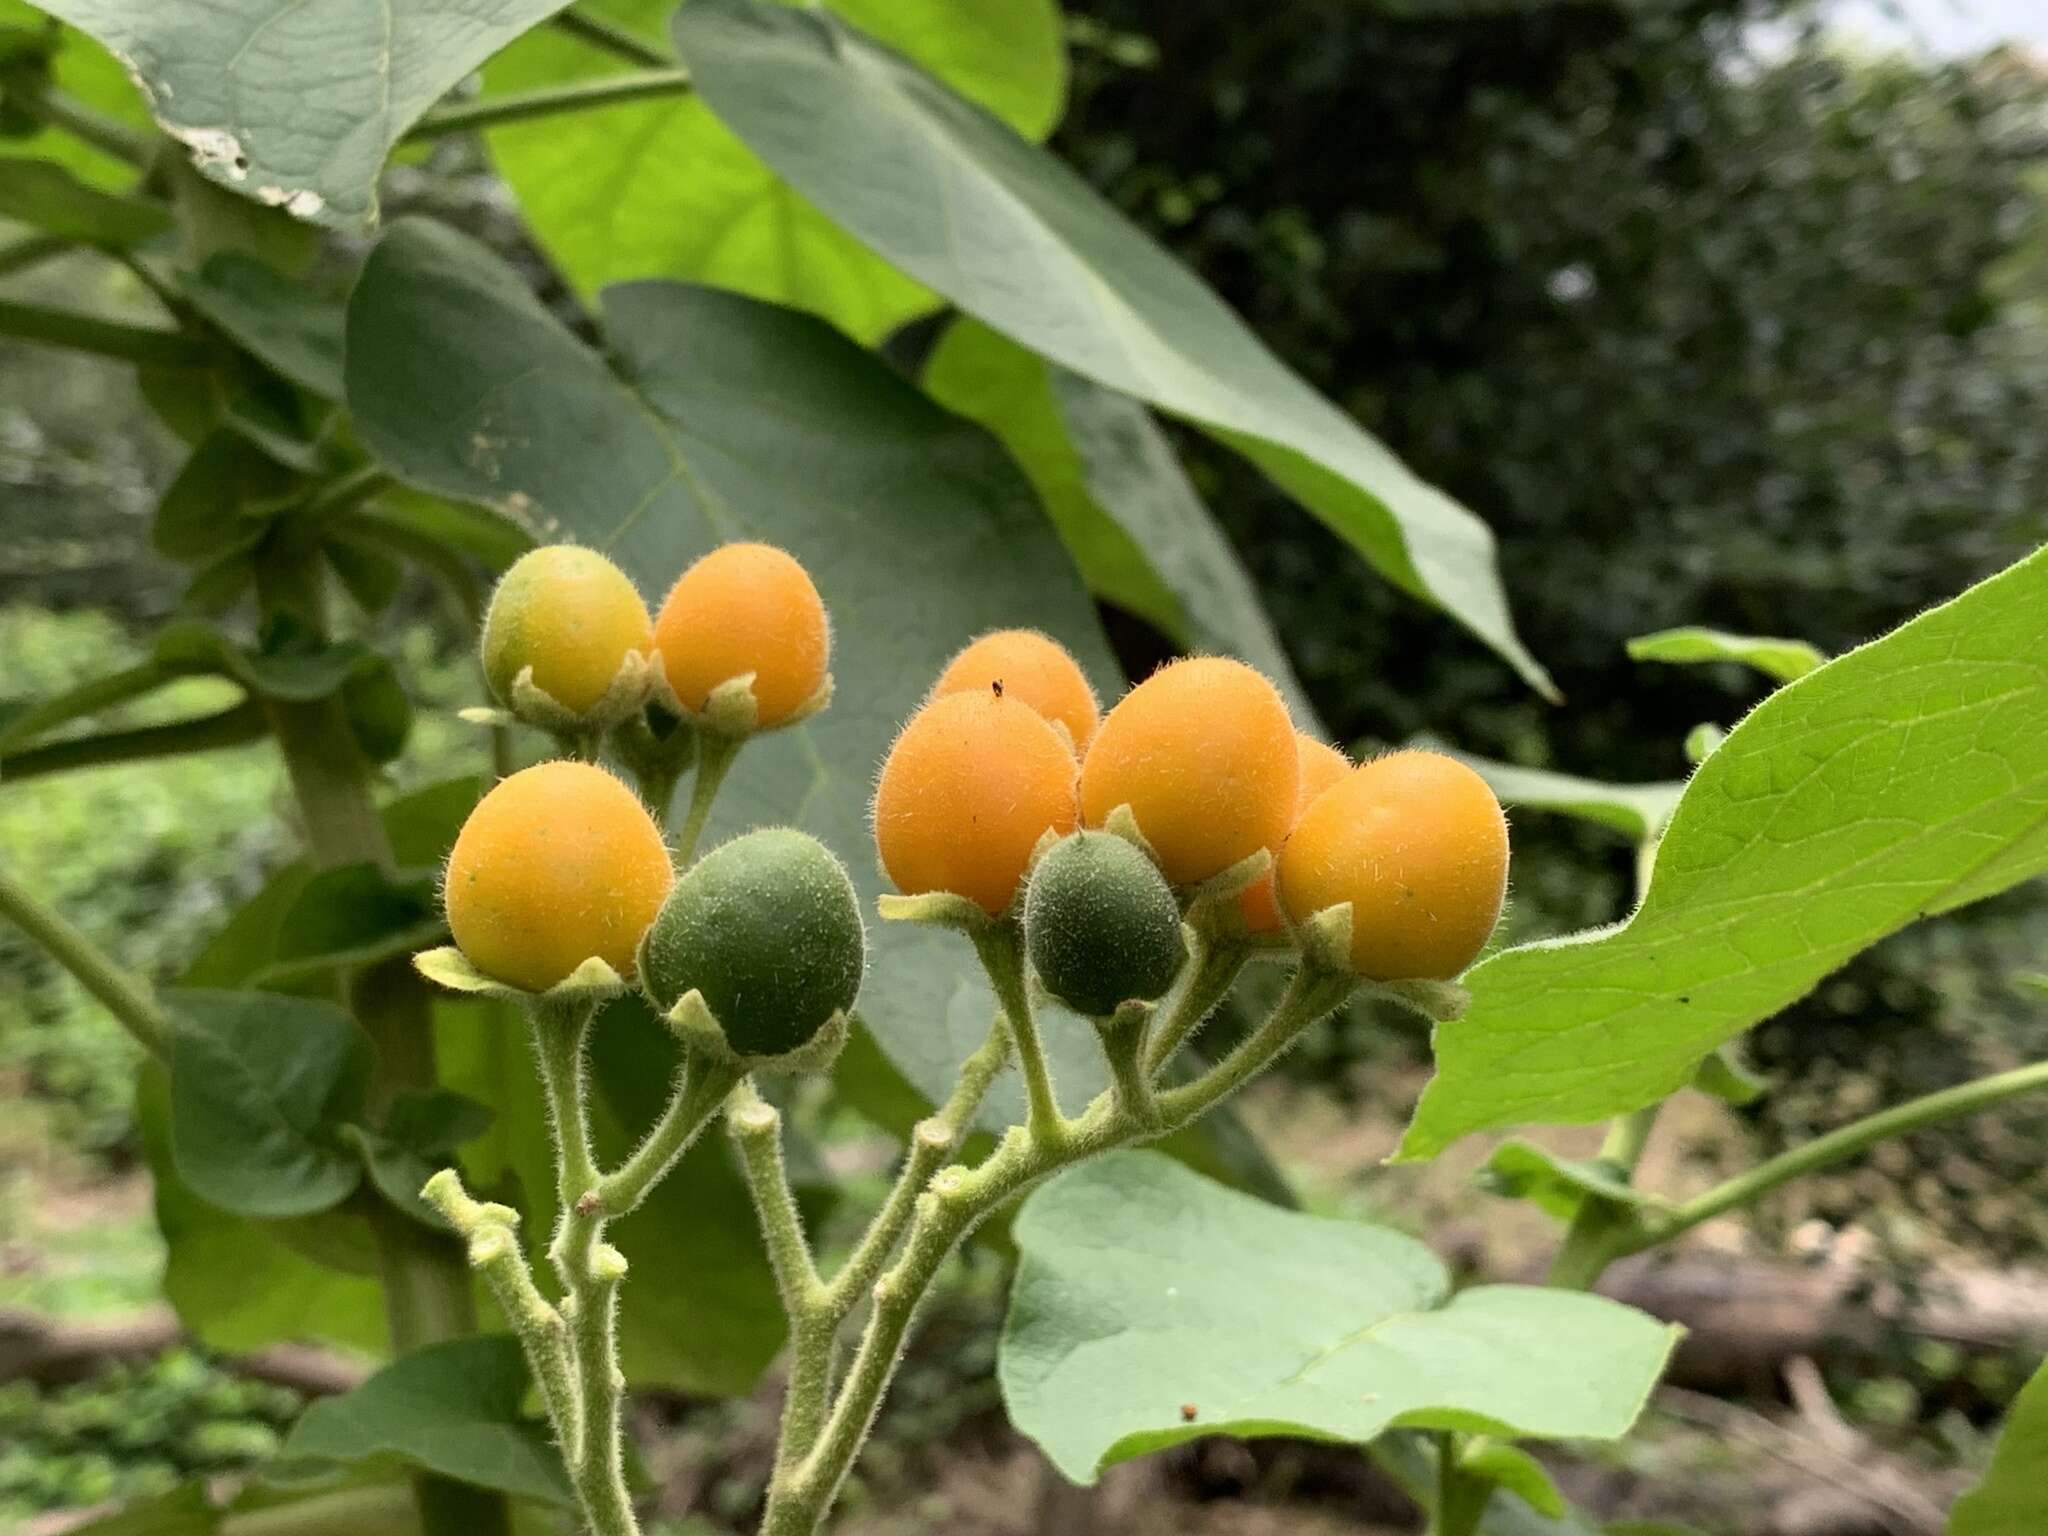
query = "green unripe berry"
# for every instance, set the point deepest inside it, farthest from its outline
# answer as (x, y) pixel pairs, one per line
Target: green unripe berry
(1100, 924)
(767, 927)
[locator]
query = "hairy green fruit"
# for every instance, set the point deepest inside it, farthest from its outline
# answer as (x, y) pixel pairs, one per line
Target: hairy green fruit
(1100, 924)
(767, 928)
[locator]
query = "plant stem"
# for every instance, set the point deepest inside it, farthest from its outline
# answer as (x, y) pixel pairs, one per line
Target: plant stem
(698, 1095)
(151, 346)
(232, 727)
(1001, 948)
(615, 40)
(426, 1280)
(1203, 983)
(126, 997)
(101, 693)
(31, 251)
(715, 754)
(550, 101)
(109, 135)
(1839, 1145)
(1589, 1242)
(1460, 1497)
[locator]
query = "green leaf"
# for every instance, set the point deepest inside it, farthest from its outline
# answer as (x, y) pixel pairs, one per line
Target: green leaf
(1723, 1075)
(1702, 739)
(47, 196)
(1900, 780)
(379, 713)
(1411, 1461)
(1514, 1470)
(1521, 1170)
(1637, 811)
(2013, 1498)
(1782, 661)
(662, 188)
(1268, 1322)
(261, 1085)
(89, 73)
(292, 327)
(452, 1408)
(216, 503)
(184, 1511)
(297, 105)
(436, 1121)
(1014, 238)
(352, 915)
(287, 666)
(1118, 496)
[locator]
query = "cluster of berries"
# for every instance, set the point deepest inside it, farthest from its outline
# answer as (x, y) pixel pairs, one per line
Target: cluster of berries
(1008, 790)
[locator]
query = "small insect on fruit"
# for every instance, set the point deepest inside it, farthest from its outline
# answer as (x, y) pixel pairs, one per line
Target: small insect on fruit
(746, 608)
(1321, 766)
(556, 864)
(970, 786)
(1032, 668)
(1100, 924)
(1203, 753)
(767, 928)
(569, 614)
(1416, 842)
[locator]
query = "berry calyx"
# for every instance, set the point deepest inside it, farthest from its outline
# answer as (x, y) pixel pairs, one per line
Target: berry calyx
(1032, 668)
(1203, 753)
(970, 786)
(1417, 844)
(556, 864)
(1320, 767)
(572, 616)
(746, 608)
(1100, 924)
(767, 929)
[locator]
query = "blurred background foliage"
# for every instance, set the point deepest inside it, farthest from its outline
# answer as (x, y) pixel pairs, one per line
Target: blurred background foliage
(1712, 318)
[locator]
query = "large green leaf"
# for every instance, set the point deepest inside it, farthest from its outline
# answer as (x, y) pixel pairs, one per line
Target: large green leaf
(1116, 492)
(2013, 1498)
(955, 199)
(261, 1085)
(297, 105)
(1152, 1307)
(1900, 780)
(662, 188)
(451, 1408)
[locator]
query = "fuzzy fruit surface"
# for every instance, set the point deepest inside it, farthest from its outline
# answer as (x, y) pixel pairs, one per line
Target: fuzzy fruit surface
(572, 616)
(767, 927)
(1032, 668)
(745, 608)
(556, 864)
(1100, 924)
(1321, 766)
(1203, 753)
(970, 786)
(1416, 842)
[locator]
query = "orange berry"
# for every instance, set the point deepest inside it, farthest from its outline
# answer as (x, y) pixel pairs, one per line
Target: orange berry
(1203, 753)
(745, 608)
(1321, 766)
(1031, 668)
(557, 863)
(970, 786)
(1416, 842)
(572, 616)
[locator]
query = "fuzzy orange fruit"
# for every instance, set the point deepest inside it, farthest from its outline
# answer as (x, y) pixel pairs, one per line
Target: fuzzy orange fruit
(1320, 767)
(557, 863)
(1203, 753)
(1416, 842)
(745, 608)
(1032, 668)
(972, 783)
(572, 616)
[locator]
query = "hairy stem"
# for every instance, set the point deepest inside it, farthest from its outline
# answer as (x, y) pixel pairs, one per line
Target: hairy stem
(1001, 948)
(715, 755)
(1588, 1246)
(1211, 971)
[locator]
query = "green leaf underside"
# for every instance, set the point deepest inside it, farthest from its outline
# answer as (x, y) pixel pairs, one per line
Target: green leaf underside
(1903, 779)
(1144, 1290)
(2013, 1498)
(297, 105)
(1783, 661)
(261, 1085)
(291, 327)
(1110, 481)
(1014, 238)
(452, 1408)
(662, 188)
(1637, 811)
